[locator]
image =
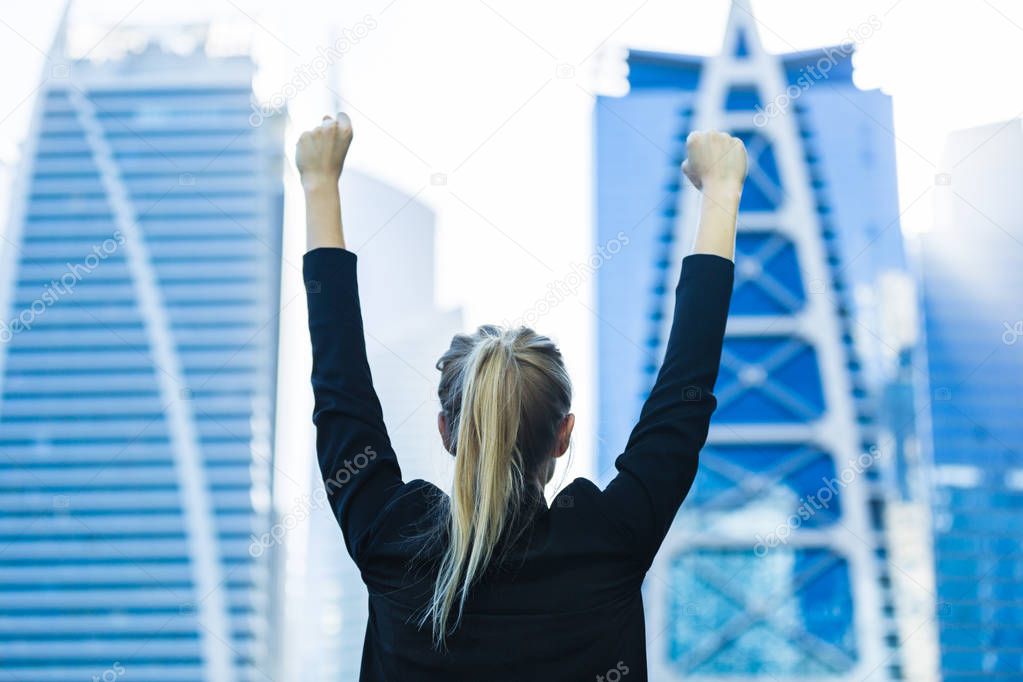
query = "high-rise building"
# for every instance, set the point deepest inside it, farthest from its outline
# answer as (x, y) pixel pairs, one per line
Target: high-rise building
(776, 566)
(138, 347)
(971, 271)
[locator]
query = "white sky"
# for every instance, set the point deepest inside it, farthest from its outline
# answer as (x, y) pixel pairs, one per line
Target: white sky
(469, 88)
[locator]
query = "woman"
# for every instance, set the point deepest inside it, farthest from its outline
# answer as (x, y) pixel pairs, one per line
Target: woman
(491, 583)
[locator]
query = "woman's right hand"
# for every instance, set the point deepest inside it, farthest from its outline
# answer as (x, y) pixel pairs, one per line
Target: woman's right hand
(716, 162)
(717, 167)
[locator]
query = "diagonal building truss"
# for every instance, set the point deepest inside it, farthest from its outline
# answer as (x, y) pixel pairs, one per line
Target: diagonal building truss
(770, 570)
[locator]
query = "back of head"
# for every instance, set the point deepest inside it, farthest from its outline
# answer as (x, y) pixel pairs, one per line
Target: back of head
(504, 394)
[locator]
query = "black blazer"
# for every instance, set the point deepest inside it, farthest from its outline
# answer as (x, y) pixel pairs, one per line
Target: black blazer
(564, 602)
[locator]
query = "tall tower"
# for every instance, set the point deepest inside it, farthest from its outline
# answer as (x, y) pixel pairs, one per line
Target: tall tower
(776, 566)
(971, 272)
(137, 365)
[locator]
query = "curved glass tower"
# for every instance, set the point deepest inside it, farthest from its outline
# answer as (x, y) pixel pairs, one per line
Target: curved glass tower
(137, 365)
(775, 568)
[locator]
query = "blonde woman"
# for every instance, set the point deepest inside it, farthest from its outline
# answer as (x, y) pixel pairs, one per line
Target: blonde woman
(491, 583)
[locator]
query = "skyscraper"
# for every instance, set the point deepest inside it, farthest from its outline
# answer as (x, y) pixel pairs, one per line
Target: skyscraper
(139, 303)
(775, 567)
(971, 271)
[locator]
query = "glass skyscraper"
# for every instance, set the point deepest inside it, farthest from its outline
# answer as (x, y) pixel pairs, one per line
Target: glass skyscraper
(776, 566)
(971, 274)
(139, 298)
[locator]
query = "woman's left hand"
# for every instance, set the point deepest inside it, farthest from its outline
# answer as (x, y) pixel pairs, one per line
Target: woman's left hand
(320, 152)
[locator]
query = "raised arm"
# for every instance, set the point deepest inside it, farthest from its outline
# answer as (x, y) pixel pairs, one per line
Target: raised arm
(659, 463)
(716, 165)
(320, 156)
(359, 468)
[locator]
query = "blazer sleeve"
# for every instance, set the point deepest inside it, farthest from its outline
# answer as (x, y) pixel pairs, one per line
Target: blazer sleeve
(359, 467)
(660, 460)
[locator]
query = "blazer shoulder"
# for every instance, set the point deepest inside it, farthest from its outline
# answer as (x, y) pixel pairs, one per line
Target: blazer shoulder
(414, 502)
(582, 493)
(586, 501)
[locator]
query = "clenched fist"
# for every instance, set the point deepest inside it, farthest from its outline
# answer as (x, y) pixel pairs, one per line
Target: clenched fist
(320, 152)
(715, 161)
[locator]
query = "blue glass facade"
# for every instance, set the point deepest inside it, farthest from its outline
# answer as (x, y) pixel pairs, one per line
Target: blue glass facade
(971, 273)
(729, 597)
(137, 371)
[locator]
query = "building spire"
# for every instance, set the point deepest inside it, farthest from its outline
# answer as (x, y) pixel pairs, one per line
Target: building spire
(741, 36)
(58, 48)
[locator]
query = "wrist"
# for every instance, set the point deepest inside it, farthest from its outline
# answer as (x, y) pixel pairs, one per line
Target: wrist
(725, 194)
(317, 184)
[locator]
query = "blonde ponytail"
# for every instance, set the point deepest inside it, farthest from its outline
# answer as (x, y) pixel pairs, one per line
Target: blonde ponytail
(504, 394)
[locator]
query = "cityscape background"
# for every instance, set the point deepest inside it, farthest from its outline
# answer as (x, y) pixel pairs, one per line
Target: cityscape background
(857, 512)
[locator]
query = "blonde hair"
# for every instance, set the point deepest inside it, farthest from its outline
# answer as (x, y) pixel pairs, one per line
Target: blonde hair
(504, 394)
